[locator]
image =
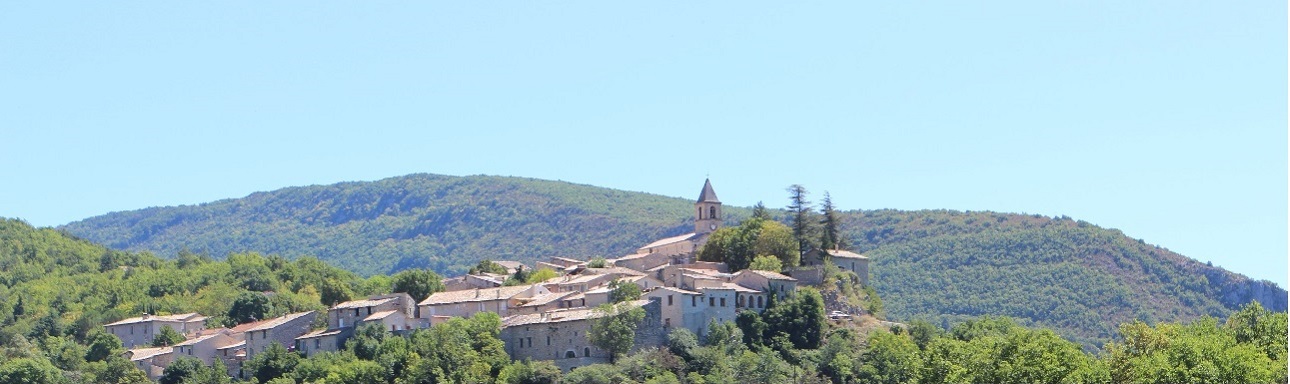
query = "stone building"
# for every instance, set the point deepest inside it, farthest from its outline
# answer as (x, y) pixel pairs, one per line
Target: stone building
(280, 330)
(142, 330)
(562, 335)
(844, 260)
(468, 302)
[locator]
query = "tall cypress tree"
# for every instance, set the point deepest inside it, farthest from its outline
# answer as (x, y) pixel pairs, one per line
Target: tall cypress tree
(759, 212)
(801, 210)
(829, 238)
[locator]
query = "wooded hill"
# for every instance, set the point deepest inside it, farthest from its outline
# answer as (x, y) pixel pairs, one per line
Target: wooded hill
(936, 265)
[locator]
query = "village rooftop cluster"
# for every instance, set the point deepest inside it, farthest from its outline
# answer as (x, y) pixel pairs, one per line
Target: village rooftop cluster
(549, 320)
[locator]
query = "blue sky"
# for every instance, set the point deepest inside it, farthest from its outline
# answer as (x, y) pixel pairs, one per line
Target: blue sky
(1164, 119)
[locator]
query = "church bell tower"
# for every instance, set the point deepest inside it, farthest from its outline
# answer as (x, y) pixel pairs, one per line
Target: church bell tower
(708, 209)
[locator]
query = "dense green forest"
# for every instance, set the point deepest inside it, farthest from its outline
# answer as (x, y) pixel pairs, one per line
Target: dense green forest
(936, 265)
(56, 291)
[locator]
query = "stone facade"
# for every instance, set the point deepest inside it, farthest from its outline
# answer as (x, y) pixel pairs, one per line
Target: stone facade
(562, 335)
(142, 330)
(282, 330)
(844, 260)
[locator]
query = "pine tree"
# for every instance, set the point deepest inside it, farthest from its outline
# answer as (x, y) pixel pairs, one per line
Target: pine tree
(829, 238)
(801, 210)
(759, 212)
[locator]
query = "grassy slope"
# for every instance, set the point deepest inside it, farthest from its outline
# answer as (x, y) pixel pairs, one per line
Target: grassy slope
(1071, 276)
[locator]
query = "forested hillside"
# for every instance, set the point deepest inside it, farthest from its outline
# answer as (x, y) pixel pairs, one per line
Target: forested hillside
(941, 266)
(57, 291)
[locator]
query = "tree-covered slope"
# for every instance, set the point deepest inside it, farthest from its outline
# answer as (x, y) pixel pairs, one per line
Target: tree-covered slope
(441, 222)
(1055, 272)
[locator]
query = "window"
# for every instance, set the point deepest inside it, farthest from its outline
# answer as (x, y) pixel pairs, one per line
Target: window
(759, 302)
(712, 301)
(529, 341)
(723, 301)
(740, 303)
(586, 351)
(667, 322)
(694, 301)
(669, 300)
(548, 340)
(317, 343)
(712, 212)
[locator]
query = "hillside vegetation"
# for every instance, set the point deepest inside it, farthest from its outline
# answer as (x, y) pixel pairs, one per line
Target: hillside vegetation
(940, 266)
(57, 292)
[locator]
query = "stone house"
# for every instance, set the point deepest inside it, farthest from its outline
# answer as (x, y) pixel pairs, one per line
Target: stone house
(844, 260)
(142, 330)
(280, 330)
(562, 335)
(466, 303)
(323, 340)
(350, 313)
(151, 360)
(205, 345)
(766, 281)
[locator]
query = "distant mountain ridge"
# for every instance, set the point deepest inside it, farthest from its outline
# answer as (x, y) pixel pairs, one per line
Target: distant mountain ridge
(938, 265)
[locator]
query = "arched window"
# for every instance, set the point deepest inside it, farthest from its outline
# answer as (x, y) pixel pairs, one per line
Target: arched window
(759, 302)
(741, 301)
(700, 213)
(712, 212)
(586, 351)
(569, 354)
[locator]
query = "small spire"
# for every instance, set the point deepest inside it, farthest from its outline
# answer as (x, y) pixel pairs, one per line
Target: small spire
(708, 195)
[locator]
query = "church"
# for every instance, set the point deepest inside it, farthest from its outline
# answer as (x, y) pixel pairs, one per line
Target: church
(684, 248)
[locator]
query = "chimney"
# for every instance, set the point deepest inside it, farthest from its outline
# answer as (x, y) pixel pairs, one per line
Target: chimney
(476, 293)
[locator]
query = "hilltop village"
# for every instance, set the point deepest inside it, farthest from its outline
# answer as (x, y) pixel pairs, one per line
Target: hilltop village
(548, 320)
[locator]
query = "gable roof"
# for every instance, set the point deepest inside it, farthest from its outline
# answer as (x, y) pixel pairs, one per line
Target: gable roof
(671, 240)
(559, 315)
(144, 353)
(769, 274)
(707, 195)
(846, 254)
(182, 317)
(379, 315)
(270, 323)
(363, 303)
(473, 295)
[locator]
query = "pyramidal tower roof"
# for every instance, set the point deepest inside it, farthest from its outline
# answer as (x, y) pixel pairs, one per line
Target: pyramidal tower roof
(708, 195)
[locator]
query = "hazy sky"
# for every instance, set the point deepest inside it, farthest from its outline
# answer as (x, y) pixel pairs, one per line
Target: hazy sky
(1165, 119)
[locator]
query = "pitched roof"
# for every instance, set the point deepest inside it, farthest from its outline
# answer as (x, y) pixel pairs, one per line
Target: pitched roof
(770, 275)
(320, 333)
(363, 303)
(144, 353)
(546, 298)
(707, 195)
(236, 345)
(270, 323)
(674, 289)
(473, 295)
(196, 340)
(379, 315)
(558, 316)
(671, 240)
(182, 317)
(846, 254)
(609, 270)
(736, 287)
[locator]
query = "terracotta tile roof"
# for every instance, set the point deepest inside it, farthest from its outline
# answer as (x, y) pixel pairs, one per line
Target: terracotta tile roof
(770, 275)
(609, 270)
(182, 317)
(736, 287)
(363, 303)
(677, 290)
(196, 340)
(379, 315)
(270, 323)
(144, 353)
(558, 316)
(474, 295)
(846, 254)
(236, 345)
(671, 240)
(319, 333)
